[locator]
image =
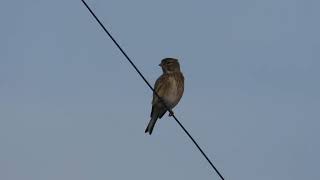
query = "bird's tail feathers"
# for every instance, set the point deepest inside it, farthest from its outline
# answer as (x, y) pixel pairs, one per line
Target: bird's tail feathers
(151, 124)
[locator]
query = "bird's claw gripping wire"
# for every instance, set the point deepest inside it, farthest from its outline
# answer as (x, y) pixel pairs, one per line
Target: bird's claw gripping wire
(171, 113)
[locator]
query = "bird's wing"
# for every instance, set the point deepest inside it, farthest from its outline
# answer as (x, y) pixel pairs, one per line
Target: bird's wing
(161, 86)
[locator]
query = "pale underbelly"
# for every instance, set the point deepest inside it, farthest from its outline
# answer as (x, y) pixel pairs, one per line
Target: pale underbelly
(172, 98)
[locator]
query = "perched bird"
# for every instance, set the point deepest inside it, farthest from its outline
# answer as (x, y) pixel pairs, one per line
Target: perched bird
(169, 86)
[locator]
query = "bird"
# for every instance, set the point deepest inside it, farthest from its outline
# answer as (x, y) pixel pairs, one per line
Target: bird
(170, 87)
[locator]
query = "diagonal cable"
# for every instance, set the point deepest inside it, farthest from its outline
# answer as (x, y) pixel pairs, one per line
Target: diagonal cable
(145, 80)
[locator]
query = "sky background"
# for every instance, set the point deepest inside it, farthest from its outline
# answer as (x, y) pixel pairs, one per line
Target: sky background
(72, 107)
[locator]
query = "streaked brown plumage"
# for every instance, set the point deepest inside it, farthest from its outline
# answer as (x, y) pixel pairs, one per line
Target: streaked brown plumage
(169, 86)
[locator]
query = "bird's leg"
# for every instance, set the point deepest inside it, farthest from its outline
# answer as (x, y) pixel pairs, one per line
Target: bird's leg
(170, 113)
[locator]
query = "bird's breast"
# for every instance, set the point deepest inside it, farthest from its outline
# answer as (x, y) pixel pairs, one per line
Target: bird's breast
(172, 96)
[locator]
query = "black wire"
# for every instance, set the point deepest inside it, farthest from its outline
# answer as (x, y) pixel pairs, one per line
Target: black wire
(145, 80)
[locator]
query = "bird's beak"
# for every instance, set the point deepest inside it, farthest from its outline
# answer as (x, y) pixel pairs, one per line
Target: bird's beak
(160, 65)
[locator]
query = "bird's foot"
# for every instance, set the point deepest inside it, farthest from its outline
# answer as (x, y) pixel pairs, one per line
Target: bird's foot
(171, 113)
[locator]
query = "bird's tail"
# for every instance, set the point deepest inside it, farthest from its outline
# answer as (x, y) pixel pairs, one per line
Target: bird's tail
(151, 124)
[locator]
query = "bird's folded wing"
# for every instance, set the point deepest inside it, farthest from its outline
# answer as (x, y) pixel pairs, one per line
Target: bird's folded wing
(161, 87)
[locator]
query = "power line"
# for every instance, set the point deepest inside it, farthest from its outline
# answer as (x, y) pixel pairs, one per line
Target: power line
(145, 80)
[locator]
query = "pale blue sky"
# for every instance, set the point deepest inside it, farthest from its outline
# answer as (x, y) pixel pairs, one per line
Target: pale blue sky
(71, 107)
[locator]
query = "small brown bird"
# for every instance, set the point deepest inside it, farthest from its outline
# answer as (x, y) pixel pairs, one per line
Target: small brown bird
(169, 86)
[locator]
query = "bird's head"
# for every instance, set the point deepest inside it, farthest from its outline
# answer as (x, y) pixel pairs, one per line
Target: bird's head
(169, 65)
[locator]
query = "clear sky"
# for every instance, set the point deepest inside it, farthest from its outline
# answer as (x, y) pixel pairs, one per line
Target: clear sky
(71, 107)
